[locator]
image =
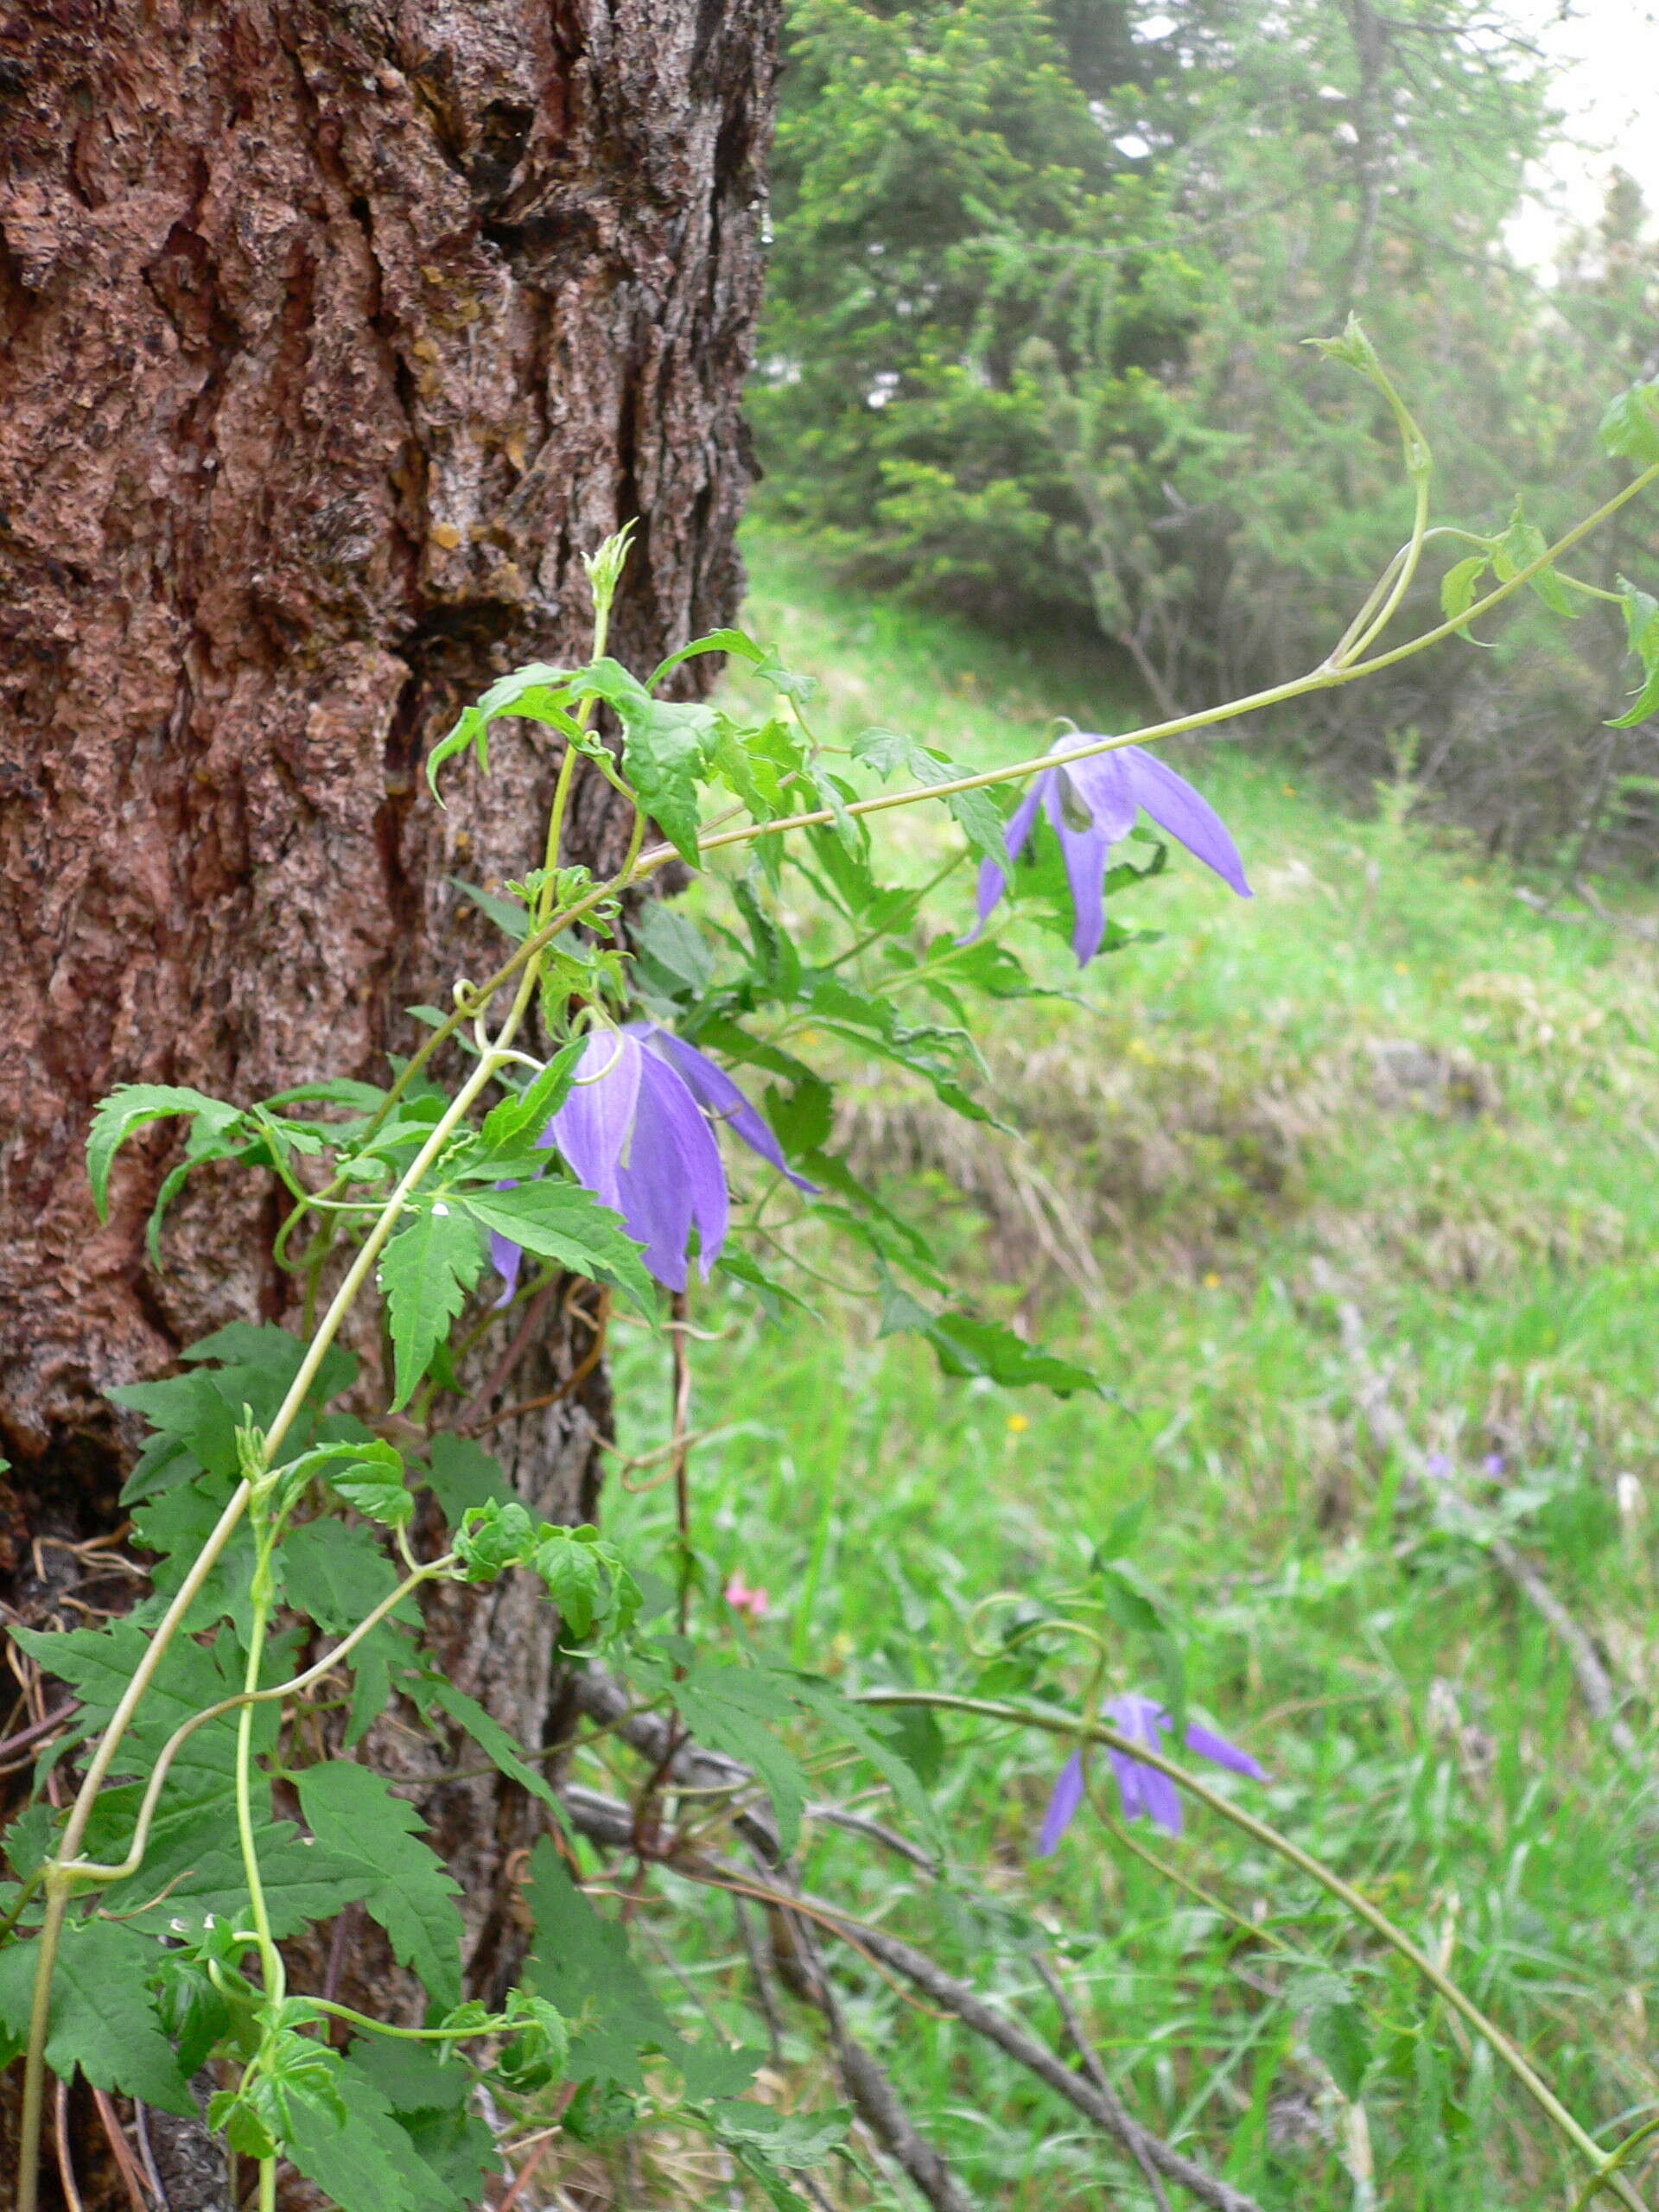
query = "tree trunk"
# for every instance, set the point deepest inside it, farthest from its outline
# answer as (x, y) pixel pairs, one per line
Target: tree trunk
(335, 331)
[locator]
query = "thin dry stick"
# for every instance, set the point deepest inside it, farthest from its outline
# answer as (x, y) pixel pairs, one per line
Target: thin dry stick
(866, 2082)
(608, 1822)
(146, 2152)
(1088, 2060)
(121, 2150)
(66, 2166)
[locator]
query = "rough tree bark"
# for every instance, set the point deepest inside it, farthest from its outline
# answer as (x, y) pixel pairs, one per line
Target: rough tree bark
(333, 331)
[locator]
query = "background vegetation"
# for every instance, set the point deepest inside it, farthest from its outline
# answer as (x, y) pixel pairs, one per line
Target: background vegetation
(1032, 350)
(1347, 1193)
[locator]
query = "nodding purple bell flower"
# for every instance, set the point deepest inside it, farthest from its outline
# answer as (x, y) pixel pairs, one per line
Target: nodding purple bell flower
(1092, 803)
(1142, 1789)
(636, 1129)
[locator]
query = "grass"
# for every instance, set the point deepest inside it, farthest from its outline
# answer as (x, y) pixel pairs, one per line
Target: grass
(1385, 1132)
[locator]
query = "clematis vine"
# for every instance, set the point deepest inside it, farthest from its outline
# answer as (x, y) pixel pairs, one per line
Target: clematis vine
(1142, 1789)
(636, 1128)
(1092, 803)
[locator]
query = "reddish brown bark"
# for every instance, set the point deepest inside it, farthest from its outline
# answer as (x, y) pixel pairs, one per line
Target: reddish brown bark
(333, 333)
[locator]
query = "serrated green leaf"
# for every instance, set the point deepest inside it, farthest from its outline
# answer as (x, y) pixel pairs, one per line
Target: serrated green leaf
(510, 916)
(1630, 426)
(129, 1108)
(425, 1274)
(975, 811)
(1641, 612)
(1339, 2038)
(461, 1474)
(728, 1708)
(193, 1870)
(353, 1813)
(564, 1223)
(103, 2020)
(717, 641)
(1522, 543)
(582, 1965)
(666, 750)
(516, 1120)
(880, 1741)
(334, 1573)
(966, 1346)
(1458, 584)
(492, 1740)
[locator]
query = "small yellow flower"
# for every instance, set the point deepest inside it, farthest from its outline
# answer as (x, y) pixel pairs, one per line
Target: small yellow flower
(1403, 967)
(1018, 1424)
(1213, 1280)
(1289, 790)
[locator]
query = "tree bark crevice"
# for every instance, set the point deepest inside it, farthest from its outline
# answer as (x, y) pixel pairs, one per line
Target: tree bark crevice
(330, 338)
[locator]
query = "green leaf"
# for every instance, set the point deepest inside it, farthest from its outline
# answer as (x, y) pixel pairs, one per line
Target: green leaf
(511, 916)
(671, 953)
(728, 1708)
(562, 1222)
(1458, 585)
(586, 1579)
(491, 1739)
(103, 2020)
(975, 811)
(1630, 426)
(193, 1870)
(1522, 543)
(520, 1118)
(354, 1813)
(1339, 2039)
(129, 1108)
(425, 1274)
(877, 1737)
(717, 641)
(536, 692)
(582, 1965)
(492, 1537)
(1642, 635)
(965, 1346)
(461, 1474)
(666, 749)
(335, 1574)
(372, 1479)
(99, 1663)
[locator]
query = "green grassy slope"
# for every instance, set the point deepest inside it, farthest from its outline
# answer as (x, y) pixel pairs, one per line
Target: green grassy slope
(1357, 1173)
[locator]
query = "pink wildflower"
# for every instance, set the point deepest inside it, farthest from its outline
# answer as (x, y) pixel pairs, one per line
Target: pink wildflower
(742, 1600)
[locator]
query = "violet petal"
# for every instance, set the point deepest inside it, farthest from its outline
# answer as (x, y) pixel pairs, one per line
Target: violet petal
(1217, 1748)
(992, 881)
(1175, 806)
(1062, 1804)
(711, 1087)
(594, 1126)
(673, 1179)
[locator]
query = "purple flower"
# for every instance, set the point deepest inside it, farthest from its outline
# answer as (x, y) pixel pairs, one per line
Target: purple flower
(1140, 1789)
(635, 1129)
(1092, 803)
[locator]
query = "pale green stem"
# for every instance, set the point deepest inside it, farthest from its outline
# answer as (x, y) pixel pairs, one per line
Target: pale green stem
(270, 1959)
(1061, 1724)
(1621, 2155)
(90, 1873)
(1320, 679)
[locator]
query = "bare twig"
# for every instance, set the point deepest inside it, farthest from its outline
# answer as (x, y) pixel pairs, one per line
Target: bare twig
(866, 2081)
(146, 2152)
(1090, 2062)
(121, 2150)
(608, 1822)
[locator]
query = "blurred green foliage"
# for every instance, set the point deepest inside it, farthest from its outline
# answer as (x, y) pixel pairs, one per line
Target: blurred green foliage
(1040, 275)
